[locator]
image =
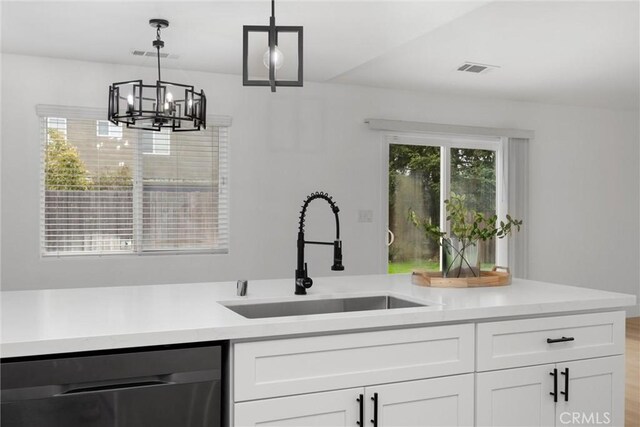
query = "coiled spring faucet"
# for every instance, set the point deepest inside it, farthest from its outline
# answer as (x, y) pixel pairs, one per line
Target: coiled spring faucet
(303, 281)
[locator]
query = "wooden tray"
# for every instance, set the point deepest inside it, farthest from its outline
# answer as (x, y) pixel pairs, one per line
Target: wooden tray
(487, 278)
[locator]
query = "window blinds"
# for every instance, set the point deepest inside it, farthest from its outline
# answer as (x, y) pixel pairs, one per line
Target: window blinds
(118, 191)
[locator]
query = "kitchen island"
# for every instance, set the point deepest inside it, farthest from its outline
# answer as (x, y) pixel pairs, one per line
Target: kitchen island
(530, 351)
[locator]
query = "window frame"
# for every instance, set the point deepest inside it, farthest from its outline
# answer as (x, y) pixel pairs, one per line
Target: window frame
(44, 112)
(154, 144)
(446, 142)
(62, 125)
(110, 126)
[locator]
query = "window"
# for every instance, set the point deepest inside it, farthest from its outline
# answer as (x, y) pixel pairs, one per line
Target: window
(156, 142)
(103, 196)
(423, 171)
(57, 125)
(107, 129)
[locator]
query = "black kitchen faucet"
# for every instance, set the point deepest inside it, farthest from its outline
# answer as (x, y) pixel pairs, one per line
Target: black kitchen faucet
(303, 281)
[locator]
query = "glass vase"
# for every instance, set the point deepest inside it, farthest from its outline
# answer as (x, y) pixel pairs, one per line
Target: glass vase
(459, 258)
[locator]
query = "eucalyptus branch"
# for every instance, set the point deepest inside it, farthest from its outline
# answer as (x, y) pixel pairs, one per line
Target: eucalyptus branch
(467, 225)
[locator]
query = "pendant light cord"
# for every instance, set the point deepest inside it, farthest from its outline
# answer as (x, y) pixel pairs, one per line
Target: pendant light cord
(273, 8)
(158, 48)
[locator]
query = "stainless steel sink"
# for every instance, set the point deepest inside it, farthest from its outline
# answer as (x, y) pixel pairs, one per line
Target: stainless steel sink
(320, 306)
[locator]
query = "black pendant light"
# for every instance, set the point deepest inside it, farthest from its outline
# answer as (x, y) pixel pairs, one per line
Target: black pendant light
(282, 71)
(163, 105)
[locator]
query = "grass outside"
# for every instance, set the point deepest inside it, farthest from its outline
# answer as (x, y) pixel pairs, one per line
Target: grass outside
(408, 266)
(399, 267)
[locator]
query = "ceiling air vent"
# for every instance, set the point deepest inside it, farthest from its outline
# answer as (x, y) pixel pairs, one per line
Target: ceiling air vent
(474, 67)
(153, 54)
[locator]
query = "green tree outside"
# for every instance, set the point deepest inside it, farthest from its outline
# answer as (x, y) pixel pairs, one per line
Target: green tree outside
(64, 169)
(472, 173)
(423, 164)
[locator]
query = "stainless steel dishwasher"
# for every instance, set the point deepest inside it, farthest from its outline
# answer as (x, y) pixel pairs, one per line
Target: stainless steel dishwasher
(161, 387)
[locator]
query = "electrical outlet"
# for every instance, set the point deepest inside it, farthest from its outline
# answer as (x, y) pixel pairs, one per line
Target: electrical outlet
(365, 215)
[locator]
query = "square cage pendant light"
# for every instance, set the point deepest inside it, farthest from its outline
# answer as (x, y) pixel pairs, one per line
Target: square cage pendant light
(271, 54)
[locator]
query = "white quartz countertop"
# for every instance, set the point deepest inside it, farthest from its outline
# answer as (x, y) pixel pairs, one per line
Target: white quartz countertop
(70, 320)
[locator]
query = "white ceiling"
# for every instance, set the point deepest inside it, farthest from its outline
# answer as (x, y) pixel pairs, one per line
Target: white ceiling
(580, 53)
(207, 36)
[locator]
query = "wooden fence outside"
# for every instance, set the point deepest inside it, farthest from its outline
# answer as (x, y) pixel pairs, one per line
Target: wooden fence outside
(103, 221)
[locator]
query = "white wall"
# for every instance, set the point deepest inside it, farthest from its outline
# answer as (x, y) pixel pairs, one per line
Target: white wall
(585, 190)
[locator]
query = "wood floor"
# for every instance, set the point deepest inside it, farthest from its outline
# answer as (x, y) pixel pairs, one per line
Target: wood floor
(632, 380)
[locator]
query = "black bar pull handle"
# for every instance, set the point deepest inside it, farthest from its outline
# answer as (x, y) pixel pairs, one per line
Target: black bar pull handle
(360, 401)
(563, 339)
(566, 384)
(115, 387)
(375, 410)
(554, 393)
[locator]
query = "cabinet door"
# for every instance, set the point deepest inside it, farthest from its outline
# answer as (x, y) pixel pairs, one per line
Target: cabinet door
(328, 409)
(595, 392)
(516, 397)
(441, 402)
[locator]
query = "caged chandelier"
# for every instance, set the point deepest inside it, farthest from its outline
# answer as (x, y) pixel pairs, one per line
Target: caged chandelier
(163, 105)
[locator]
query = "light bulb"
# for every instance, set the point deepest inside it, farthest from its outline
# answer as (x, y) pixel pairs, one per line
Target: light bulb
(168, 103)
(190, 106)
(278, 58)
(129, 104)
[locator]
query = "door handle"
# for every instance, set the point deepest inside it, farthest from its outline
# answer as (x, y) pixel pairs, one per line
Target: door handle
(554, 393)
(360, 401)
(390, 237)
(375, 409)
(566, 384)
(555, 340)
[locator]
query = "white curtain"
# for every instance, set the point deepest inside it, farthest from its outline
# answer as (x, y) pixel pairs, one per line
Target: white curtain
(519, 205)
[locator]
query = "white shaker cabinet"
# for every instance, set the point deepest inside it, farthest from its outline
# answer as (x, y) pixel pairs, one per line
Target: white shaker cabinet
(584, 392)
(273, 368)
(544, 371)
(593, 394)
(516, 397)
(327, 409)
(317, 381)
(436, 402)
(576, 377)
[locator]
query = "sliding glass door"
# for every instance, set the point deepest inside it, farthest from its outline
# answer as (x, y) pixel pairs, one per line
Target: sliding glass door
(422, 172)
